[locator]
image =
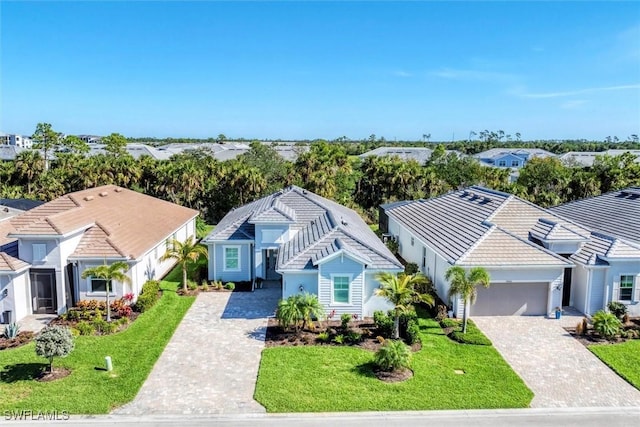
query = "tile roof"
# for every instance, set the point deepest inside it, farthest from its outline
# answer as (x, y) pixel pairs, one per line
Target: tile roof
(115, 221)
(479, 226)
(322, 227)
(601, 247)
(616, 213)
(11, 264)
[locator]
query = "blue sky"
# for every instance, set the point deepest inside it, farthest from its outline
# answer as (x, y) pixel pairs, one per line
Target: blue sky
(322, 70)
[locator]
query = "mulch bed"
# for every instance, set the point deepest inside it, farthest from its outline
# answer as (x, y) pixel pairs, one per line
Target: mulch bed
(22, 339)
(591, 337)
(277, 337)
(57, 374)
(394, 376)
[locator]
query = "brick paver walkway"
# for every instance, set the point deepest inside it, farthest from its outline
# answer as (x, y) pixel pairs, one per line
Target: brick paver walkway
(211, 364)
(559, 370)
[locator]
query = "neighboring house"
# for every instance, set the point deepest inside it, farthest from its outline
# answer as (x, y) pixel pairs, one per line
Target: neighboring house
(586, 158)
(307, 244)
(523, 247)
(419, 154)
(89, 139)
(514, 158)
(609, 264)
(58, 240)
(16, 140)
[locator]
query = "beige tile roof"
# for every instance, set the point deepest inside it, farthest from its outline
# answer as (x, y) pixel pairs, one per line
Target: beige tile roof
(9, 263)
(117, 222)
(519, 217)
(551, 230)
(498, 247)
(5, 228)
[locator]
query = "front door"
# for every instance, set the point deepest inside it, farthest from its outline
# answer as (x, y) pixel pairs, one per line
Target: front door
(566, 288)
(271, 256)
(43, 291)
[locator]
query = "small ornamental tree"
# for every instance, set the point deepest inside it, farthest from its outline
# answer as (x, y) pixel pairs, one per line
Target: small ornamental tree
(54, 341)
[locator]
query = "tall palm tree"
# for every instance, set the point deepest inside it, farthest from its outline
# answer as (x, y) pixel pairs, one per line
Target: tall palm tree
(399, 290)
(464, 285)
(109, 273)
(185, 253)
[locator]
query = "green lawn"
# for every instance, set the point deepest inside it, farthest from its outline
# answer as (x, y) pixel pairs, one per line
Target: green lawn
(623, 358)
(89, 390)
(329, 378)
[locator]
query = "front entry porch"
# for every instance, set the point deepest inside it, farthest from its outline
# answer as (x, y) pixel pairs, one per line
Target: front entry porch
(44, 295)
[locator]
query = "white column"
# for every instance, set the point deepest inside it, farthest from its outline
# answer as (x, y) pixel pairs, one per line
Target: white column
(549, 298)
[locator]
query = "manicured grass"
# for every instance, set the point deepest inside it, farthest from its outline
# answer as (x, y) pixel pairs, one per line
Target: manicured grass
(624, 358)
(330, 378)
(90, 390)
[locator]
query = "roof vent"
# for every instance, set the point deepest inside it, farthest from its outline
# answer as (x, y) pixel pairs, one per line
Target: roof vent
(118, 189)
(343, 222)
(104, 194)
(88, 198)
(5, 210)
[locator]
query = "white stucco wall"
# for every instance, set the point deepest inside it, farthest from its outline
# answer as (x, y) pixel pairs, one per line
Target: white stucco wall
(18, 295)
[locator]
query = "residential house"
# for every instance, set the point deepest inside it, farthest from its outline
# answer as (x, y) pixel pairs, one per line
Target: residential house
(523, 247)
(608, 265)
(419, 154)
(305, 243)
(586, 158)
(510, 157)
(58, 240)
(16, 140)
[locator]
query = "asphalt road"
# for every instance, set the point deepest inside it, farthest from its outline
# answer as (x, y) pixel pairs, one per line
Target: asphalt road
(556, 417)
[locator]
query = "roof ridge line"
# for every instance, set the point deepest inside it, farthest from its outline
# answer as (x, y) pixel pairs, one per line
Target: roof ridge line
(366, 245)
(530, 243)
(482, 238)
(311, 246)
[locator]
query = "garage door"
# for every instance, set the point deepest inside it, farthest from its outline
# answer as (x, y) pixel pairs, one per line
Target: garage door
(511, 299)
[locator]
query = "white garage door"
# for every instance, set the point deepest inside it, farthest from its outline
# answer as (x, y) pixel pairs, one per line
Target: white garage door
(511, 299)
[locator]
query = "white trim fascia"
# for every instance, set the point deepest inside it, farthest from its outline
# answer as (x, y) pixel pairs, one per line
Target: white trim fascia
(518, 267)
(338, 253)
(102, 258)
(226, 241)
(297, 271)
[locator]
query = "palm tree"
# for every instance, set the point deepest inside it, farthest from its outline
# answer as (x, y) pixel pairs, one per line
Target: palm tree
(109, 273)
(310, 307)
(464, 285)
(184, 253)
(399, 290)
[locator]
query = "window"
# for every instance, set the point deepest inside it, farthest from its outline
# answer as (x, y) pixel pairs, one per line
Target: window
(515, 163)
(39, 252)
(98, 285)
(232, 258)
(502, 163)
(626, 288)
(341, 289)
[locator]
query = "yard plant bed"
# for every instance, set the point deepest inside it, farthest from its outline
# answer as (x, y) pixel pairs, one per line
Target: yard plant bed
(20, 340)
(277, 336)
(630, 331)
(446, 375)
(90, 389)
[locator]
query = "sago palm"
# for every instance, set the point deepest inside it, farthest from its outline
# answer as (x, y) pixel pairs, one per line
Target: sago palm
(399, 290)
(185, 253)
(464, 285)
(109, 273)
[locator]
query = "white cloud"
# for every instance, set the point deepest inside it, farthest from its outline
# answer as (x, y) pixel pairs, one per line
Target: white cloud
(460, 74)
(573, 104)
(523, 94)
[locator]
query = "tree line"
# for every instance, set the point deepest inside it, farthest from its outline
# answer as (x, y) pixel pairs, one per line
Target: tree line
(197, 180)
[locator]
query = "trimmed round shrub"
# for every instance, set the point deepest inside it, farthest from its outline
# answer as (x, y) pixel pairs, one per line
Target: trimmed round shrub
(230, 286)
(54, 341)
(606, 324)
(393, 355)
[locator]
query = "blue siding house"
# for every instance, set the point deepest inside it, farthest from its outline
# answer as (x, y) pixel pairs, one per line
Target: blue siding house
(304, 243)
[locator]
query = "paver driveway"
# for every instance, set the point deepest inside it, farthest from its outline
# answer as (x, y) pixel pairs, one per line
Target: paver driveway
(559, 370)
(211, 364)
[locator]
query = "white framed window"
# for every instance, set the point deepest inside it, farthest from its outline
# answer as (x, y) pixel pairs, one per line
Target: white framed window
(231, 258)
(502, 163)
(39, 252)
(515, 163)
(98, 285)
(626, 287)
(341, 293)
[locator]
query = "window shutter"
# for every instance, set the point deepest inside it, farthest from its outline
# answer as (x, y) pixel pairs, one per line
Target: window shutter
(636, 289)
(616, 292)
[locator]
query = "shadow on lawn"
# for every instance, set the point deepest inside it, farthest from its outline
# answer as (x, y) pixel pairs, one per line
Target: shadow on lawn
(22, 372)
(365, 369)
